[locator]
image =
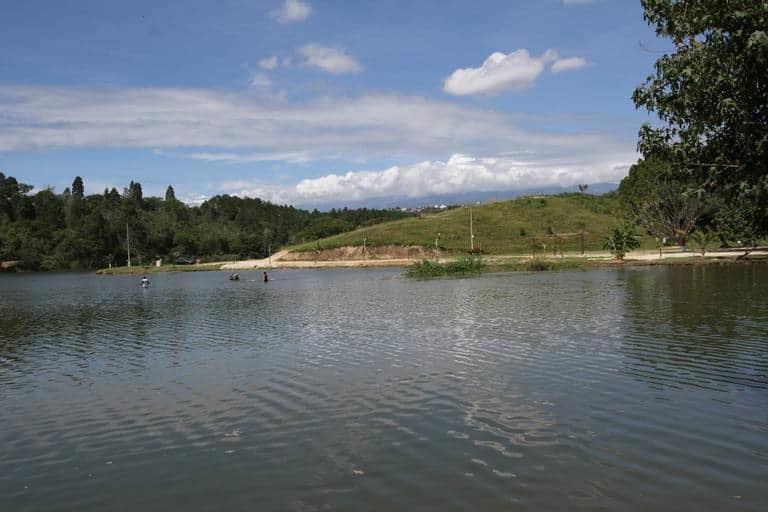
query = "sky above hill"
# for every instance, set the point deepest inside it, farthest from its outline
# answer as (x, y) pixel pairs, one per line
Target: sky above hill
(315, 102)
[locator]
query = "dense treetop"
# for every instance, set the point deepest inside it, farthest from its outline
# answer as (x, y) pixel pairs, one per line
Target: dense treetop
(50, 231)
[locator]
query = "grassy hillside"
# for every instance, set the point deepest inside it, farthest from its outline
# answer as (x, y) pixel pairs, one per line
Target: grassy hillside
(504, 227)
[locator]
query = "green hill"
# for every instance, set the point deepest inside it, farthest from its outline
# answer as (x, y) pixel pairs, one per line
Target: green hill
(504, 227)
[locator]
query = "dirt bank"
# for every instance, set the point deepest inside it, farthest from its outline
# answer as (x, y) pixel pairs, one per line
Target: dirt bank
(385, 252)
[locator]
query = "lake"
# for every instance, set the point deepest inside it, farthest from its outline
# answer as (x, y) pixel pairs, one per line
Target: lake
(636, 389)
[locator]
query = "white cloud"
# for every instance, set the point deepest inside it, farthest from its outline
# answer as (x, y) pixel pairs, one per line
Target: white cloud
(260, 80)
(195, 199)
(500, 72)
(241, 158)
(372, 125)
(331, 60)
(459, 174)
(268, 63)
(568, 64)
(247, 128)
(292, 11)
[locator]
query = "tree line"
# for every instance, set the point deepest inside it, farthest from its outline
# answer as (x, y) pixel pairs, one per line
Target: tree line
(46, 230)
(704, 172)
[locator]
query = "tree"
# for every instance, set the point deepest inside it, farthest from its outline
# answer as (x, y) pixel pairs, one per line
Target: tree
(133, 192)
(661, 200)
(734, 223)
(711, 96)
(78, 190)
(63, 231)
(703, 240)
(170, 194)
(621, 240)
(11, 193)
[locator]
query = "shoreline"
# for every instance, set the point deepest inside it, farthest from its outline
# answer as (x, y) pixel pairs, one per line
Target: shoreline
(495, 263)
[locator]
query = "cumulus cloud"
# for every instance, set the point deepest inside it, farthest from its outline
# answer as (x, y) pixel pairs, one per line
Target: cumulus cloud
(332, 60)
(459, 174)
(268, 63)
(500, 72)
(507, 72)
(292, 11)
(568, 64)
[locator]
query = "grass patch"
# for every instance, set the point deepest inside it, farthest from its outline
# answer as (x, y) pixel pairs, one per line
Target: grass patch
(540, 265)
(461, 267)
(503, 227)
(137, 270)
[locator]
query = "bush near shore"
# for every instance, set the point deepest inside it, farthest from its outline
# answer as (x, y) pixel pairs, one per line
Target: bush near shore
(463, 266)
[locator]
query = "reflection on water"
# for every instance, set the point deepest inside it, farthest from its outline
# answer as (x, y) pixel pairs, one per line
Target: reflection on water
(699, 326)
(347, 390)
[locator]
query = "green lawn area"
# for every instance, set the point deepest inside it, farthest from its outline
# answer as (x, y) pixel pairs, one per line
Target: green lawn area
(503, 227)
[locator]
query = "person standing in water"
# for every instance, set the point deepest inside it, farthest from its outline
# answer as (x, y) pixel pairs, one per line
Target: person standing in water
(266, 279)
(144, 281)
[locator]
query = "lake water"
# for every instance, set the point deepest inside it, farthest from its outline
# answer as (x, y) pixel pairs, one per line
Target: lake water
(641, 389)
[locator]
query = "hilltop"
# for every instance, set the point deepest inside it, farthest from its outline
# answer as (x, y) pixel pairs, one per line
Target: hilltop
(503, 227)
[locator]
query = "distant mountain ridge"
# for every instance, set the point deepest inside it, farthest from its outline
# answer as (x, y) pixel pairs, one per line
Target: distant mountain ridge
(452, 199)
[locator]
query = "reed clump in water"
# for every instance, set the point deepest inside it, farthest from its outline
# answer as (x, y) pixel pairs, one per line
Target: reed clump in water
(463, 266)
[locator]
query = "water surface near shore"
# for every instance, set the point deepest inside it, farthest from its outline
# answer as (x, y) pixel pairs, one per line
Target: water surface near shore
(636, 389)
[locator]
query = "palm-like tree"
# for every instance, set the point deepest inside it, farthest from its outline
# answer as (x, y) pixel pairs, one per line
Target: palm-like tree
(703, 240)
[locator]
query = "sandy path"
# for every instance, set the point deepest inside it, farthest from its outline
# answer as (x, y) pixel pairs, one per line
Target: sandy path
(276, 260)
(262, 263)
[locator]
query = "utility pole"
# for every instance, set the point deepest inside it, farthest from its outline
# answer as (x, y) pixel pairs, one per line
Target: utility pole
(471, 232)
(128, 243)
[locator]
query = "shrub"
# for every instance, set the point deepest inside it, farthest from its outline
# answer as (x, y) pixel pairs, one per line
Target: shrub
(539, 265)
(621, 240)
(464, 266)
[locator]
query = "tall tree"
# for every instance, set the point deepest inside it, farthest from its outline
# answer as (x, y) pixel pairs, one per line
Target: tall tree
(134, 192)
(660, 200)
(11, 192)
(78, 189)
(711, 96)
(170, 194)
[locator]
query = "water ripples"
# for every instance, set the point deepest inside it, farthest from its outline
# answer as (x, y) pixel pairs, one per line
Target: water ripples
(360, 389)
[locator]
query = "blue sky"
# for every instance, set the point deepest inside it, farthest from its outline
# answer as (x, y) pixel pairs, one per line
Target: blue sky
(321, 102)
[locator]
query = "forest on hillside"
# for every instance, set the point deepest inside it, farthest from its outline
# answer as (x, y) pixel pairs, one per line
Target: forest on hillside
(43, 230)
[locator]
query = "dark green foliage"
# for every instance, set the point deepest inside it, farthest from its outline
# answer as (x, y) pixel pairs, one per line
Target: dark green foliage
(461, 267)
(78, 189)
(711, 96)
(735, 226)
(663, 200)
(52, 231)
